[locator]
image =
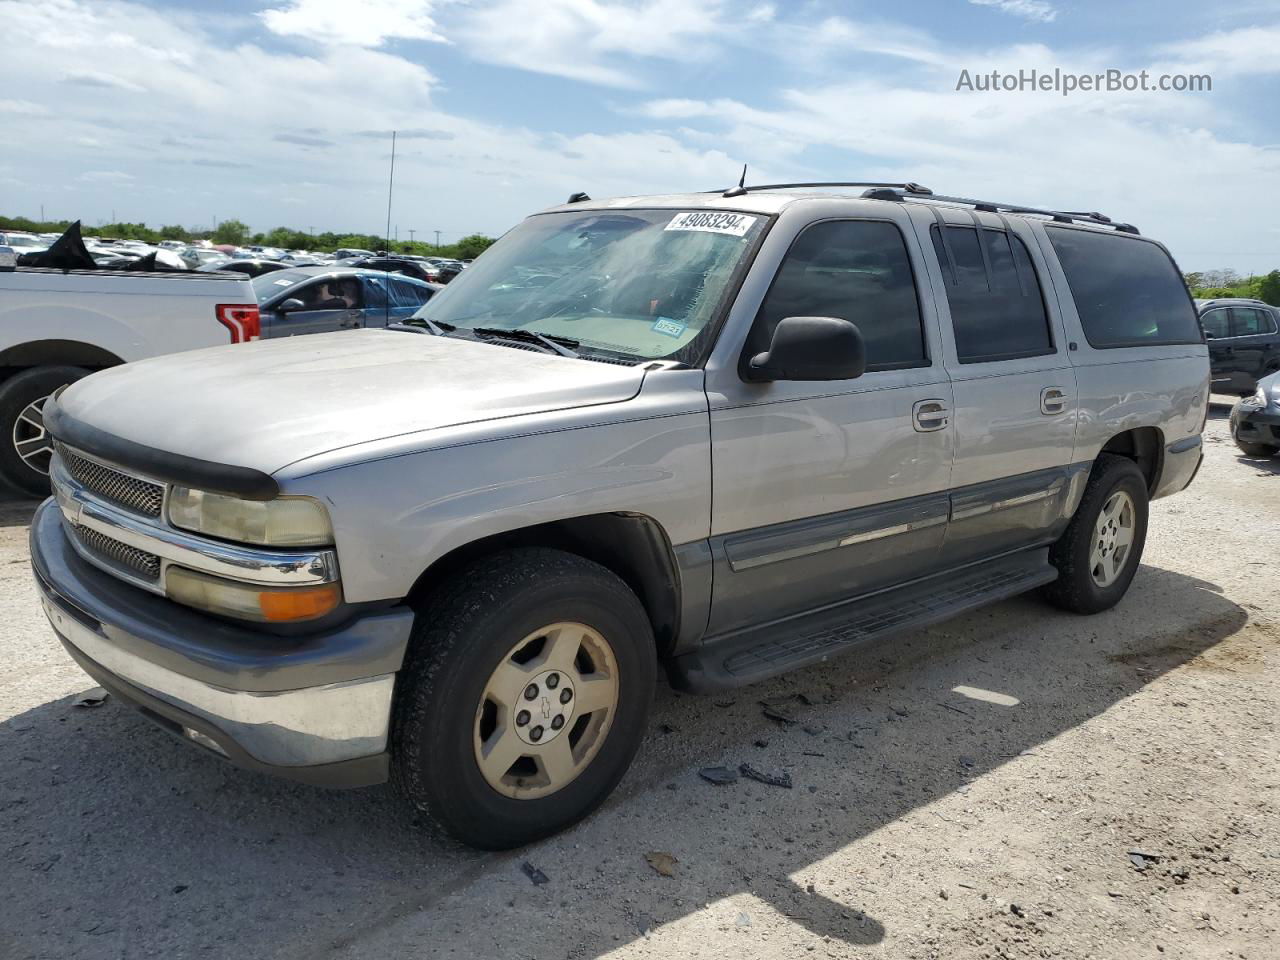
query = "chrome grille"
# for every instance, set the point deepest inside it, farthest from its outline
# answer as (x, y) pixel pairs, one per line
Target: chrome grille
(145, 565)
(133, 493)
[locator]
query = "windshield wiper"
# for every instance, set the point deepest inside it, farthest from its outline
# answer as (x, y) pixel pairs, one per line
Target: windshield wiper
(423, 325)
(559, 345)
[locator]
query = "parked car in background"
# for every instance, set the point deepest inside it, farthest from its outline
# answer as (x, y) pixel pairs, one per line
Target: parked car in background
(196, 257)
(301, 300)
(401, 265)
(348, 253)
(1244, 342)
(251, 268)
(1255, 420)
(443, 269)
(731, 435)
(23, 242)
(58, 326)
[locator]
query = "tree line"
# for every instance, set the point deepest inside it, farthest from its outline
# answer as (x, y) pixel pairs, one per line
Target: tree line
(238, 234)
(1214, 284)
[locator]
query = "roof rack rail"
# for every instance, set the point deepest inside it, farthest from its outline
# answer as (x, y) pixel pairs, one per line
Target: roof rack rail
(990, 206)
(914, 189)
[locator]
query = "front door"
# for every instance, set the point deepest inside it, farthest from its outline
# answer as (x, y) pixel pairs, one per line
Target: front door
(824, 491)
(328, 304)
(1217, 331)
(1015, 389)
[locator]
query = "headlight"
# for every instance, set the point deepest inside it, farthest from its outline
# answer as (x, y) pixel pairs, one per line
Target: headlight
(246, 601)
(1260, 398)
(283, 522)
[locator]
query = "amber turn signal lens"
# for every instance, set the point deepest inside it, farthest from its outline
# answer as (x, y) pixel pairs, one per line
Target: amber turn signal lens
(306, 604)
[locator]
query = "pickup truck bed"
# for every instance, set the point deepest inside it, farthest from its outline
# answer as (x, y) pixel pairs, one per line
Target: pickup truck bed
(58, 325)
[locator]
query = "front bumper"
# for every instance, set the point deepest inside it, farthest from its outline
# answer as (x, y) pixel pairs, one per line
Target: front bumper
(314, 708)
(1257, 424)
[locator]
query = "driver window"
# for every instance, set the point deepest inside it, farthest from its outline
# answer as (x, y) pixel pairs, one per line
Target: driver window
(856, 270)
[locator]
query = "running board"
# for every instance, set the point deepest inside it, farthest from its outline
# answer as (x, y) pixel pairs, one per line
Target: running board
(732, 660)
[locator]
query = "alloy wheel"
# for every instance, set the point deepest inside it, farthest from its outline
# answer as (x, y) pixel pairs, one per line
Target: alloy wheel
(546, 710)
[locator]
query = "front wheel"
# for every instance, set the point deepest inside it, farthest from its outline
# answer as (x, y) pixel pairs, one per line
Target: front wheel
(25, 446)
(524, 697)
(1099, 553)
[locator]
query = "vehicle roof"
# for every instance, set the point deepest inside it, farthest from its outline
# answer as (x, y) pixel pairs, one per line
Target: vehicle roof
(327, 270)
(768, 202)
(1232, 301)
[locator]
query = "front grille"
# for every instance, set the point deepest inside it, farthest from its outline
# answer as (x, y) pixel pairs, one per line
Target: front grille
(145, 565)
(133, 493)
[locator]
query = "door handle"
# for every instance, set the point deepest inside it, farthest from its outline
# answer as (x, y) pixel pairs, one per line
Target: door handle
(1053, 400)
(929, 415)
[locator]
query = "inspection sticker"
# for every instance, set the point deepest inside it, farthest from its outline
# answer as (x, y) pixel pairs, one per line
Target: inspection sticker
(672, 328)
(713, 221)
(284, 283)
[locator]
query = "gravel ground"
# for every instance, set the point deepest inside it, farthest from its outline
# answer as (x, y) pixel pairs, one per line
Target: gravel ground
(974, 790)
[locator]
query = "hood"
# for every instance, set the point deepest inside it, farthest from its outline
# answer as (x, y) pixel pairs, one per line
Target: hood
(265, 405)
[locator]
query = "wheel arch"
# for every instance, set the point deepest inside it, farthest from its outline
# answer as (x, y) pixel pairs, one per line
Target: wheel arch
(1145, 447)
(45, 353)
(633, 546)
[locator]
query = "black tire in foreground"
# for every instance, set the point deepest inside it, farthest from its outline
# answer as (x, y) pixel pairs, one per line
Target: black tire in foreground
(25, 447)
(480, 670)
(1100, 551)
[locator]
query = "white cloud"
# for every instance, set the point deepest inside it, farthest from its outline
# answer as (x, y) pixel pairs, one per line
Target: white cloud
(98, 78)
(23, 107)
(593, 40)
(1250, 50)
(105, 176)
(360, 23)
(1027, 9)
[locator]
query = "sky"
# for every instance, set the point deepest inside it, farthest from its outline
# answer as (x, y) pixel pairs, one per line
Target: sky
(279, 112)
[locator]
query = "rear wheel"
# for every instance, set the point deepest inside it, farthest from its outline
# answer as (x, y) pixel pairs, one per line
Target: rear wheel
(1099, 553)
(524, 697)
(25, 445)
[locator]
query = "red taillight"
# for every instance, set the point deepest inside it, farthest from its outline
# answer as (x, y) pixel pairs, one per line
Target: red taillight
(242, 319)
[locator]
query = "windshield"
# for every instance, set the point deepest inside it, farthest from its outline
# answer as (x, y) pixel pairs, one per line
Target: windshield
(637, 284)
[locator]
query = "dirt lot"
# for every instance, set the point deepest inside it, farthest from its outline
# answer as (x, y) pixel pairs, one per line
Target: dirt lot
(974, 790)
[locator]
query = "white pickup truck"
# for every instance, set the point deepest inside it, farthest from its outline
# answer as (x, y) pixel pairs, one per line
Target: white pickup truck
(56, 326)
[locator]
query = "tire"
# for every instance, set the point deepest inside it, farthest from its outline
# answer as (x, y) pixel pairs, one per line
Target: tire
(1247, 448)
(21, 397)
(1079, 587)
(446, 711)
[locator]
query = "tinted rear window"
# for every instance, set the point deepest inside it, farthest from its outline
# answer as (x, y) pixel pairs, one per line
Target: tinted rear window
(997, 312)
(1127, 291)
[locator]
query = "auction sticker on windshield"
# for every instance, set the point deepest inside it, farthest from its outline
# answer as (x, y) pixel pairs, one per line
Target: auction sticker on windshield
(711, 221)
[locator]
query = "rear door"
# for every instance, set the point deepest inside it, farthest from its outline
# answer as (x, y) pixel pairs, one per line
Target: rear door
(1015, 390)
(1253, 331)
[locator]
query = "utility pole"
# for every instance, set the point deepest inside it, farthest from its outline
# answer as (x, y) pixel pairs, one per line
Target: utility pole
(113, 215)
(312, 231)
(411, 233)
(42, 213)
(437, 240)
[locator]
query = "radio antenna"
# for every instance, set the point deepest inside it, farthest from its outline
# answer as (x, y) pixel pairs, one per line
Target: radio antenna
(741, 188)
(386, 265)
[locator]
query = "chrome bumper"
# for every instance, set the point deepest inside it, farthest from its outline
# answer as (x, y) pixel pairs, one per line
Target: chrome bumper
(287, 705)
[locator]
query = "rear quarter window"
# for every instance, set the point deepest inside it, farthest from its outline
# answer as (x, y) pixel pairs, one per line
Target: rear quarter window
(1127, 291)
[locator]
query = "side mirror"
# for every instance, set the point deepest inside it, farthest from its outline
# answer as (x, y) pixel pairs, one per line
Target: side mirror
(811, 348)
(288, 306)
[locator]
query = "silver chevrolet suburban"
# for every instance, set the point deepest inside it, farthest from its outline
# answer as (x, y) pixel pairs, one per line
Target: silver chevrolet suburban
(731, 434)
